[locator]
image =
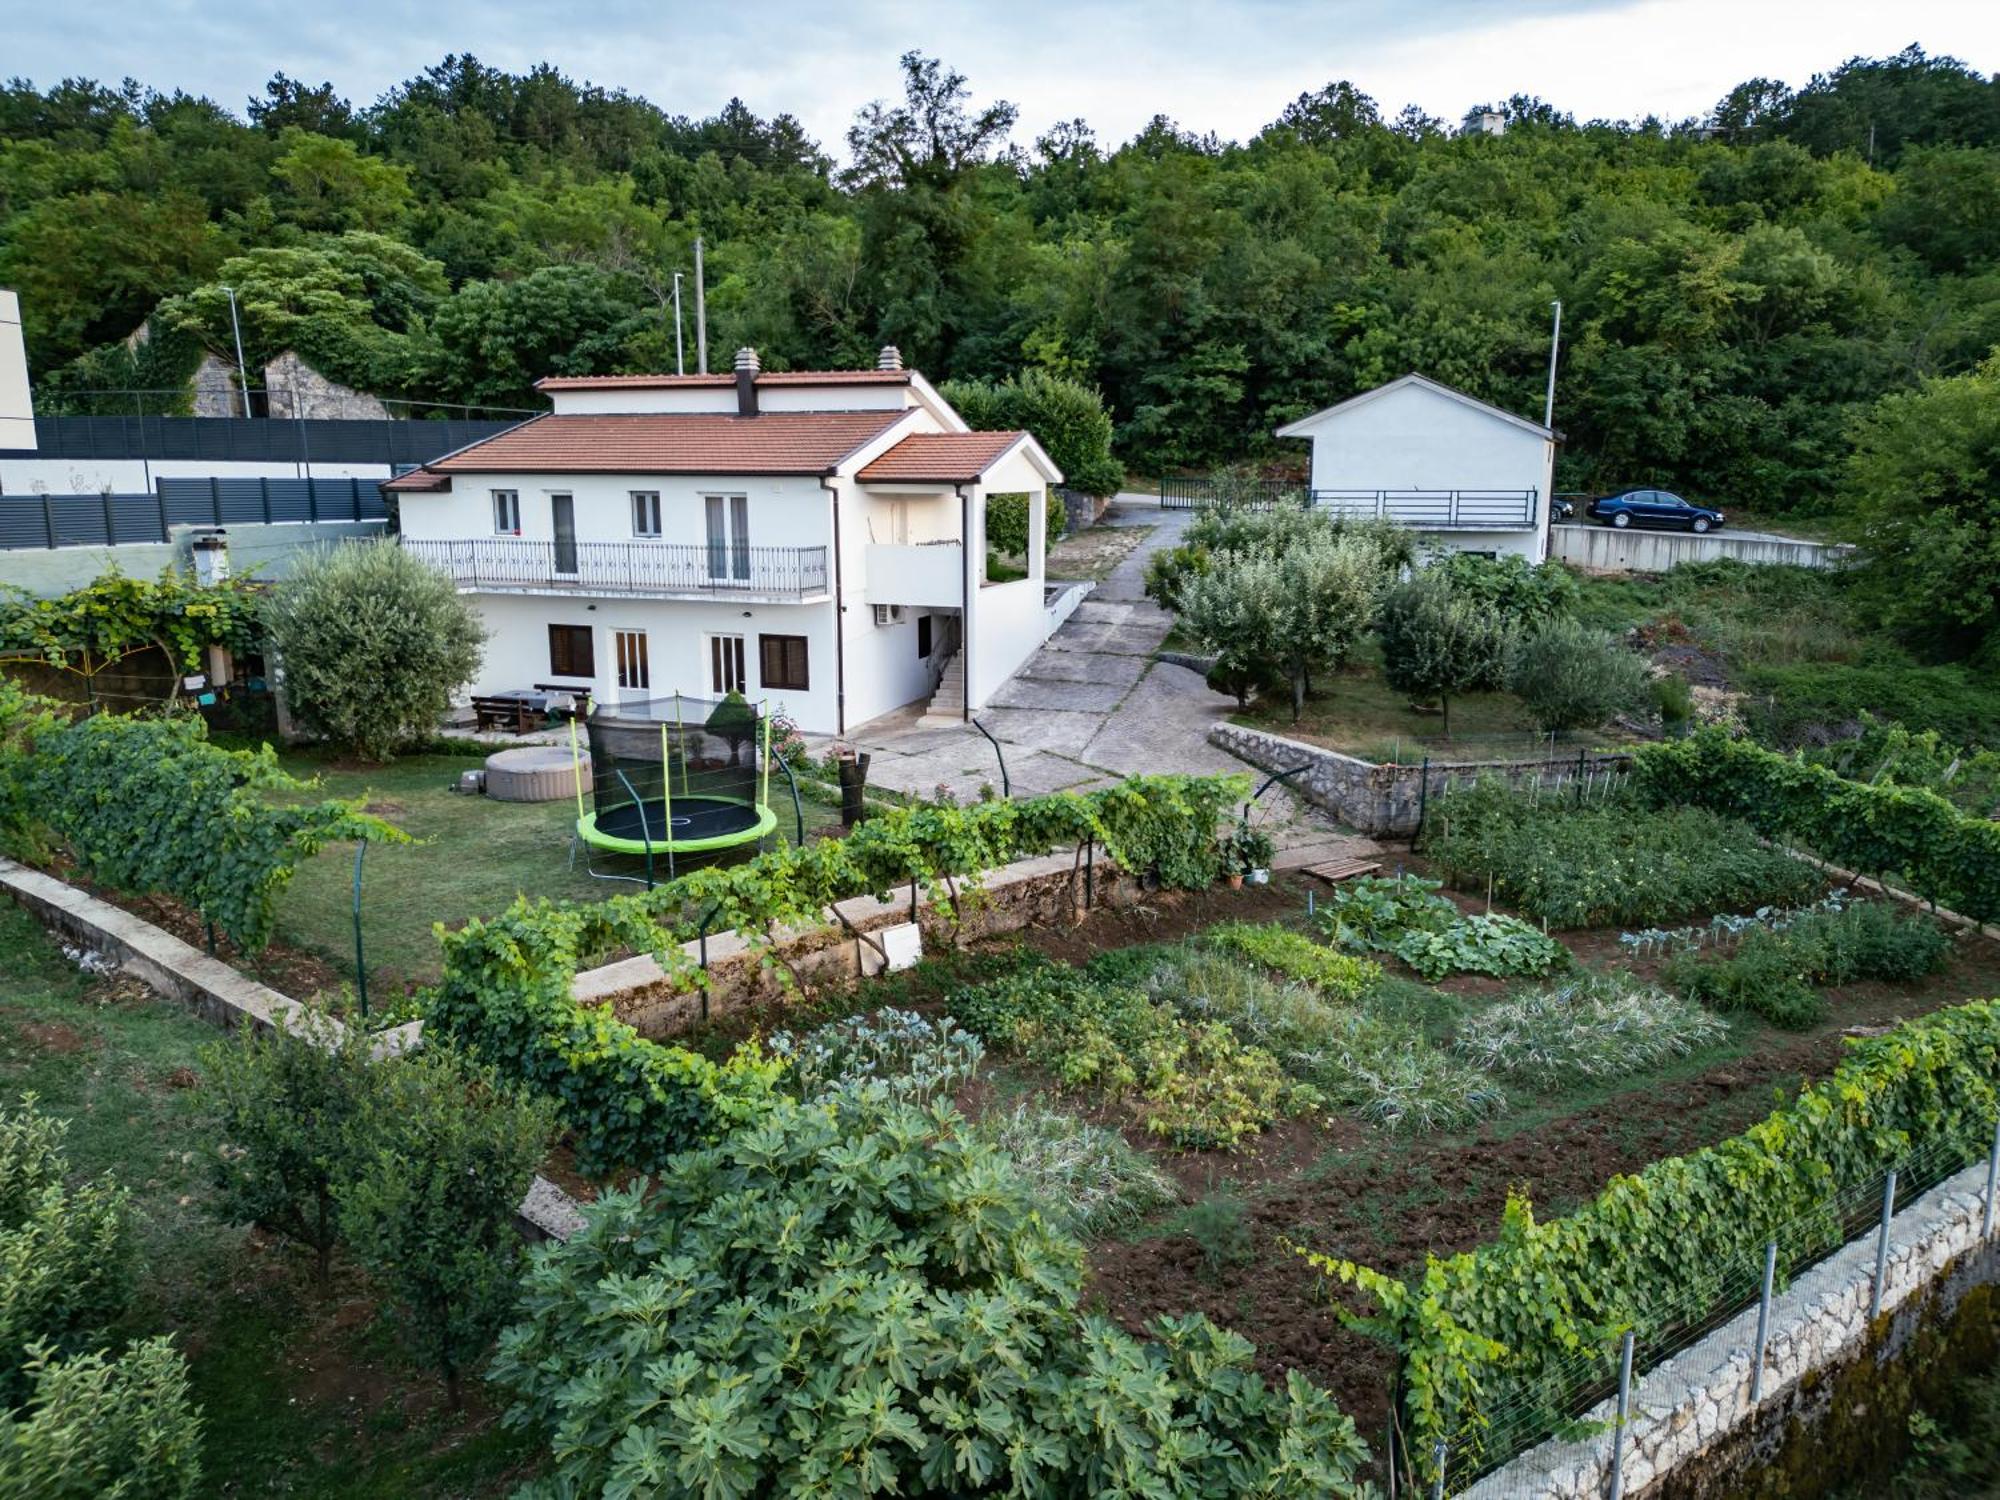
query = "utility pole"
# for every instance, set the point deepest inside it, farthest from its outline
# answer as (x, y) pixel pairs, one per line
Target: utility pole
(242, 375)
(1555, 342)
(680, 362)
(700, 312)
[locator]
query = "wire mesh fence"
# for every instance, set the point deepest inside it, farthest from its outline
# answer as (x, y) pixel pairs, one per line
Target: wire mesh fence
(1575, 1397)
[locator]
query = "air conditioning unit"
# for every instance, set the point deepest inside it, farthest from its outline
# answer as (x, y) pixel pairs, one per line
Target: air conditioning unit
(889, 614)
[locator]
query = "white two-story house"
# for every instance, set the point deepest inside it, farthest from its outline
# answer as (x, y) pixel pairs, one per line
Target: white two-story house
(1464, 473)
(813, 539)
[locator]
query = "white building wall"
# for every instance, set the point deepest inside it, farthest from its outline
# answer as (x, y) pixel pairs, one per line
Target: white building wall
(787, 511)
(678, 634)
(17, 407)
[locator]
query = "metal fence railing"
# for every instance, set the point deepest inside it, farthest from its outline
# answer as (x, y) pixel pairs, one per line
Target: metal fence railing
(1185, 492)
(1558, 1404)
(660, 569)
(99, 520)
(1437, 510)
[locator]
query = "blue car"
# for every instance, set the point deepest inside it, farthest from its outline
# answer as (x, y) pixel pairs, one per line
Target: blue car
(1654, 508)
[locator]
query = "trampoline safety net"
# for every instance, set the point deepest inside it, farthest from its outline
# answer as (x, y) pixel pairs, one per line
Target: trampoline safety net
(683, 775)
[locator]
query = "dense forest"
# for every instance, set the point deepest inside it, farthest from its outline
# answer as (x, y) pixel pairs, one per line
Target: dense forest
(1738, 294)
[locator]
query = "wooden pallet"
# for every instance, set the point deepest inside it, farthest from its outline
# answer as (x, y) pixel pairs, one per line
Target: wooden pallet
(1335, 870)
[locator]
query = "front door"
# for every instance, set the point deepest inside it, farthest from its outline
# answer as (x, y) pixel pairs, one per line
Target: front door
(563, 516)
(728, 538)
(635, 672)
(725, 664)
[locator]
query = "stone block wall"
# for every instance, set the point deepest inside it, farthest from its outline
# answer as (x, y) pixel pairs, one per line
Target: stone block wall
(1388, 800)
(1693, 1433)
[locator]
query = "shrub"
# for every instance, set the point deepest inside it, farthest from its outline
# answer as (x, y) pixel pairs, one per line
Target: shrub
(1169, 570)
(284, 1104)
(1339, 976)
(444, 1152)
(1593, 1026)
(1491, 1339)
(1086, 1178)
(1404, 916)
(1067, 418)
(1191, 1082)
(1216, 1222)
(150, 806)
(68, 1261)
(913, 1056)
(861, 1292)
(1438, 645)
(1521, 592)
(95, 1428)
(1618, 862)
(1572, 677)
(24, 719)
(373, 644)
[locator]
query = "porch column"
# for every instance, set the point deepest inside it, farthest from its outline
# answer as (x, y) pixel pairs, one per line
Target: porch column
(1038, 536)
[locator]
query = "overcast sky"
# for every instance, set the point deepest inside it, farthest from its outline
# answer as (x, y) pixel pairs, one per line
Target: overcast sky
(1228, 66)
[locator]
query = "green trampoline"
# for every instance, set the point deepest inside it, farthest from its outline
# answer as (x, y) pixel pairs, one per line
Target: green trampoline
(678, 782)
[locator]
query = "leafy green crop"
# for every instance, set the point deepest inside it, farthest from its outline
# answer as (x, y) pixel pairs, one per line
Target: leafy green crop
(1338, 976)
(1403, 915)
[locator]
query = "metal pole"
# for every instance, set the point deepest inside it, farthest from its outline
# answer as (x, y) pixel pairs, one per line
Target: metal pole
(1555, 341)
(1438, 1453)
(360, 962)
(1624, 1410)
(1763, 1322)
(1882, 1245)
(680, 359)
(700, 312)
(1006, 784)
(1992, 1182)
(242, 374)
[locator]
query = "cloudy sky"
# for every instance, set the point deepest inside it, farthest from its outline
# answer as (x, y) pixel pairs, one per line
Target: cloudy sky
(1226, 66)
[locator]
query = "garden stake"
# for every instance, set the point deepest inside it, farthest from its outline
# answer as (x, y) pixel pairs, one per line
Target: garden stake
(1624, 1410)
(360, 967)
(1763, 1322)
(1992, 1182)
(1089, 873)
(211, 939)
(1882, 1245)
(1437, 1458)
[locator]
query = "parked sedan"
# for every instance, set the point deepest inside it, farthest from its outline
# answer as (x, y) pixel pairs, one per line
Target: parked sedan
(1654, 508)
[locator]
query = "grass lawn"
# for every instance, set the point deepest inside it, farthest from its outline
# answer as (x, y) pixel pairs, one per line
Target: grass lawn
(1357, 712)
(302, 1391)
(477, 855)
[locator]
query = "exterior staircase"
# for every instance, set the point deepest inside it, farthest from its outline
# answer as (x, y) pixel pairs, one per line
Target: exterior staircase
(947, 705)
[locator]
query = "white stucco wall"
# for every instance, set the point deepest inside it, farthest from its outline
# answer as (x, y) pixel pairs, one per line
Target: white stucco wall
(17, 409)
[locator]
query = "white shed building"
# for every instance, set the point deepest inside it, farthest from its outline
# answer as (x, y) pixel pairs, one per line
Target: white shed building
(1467, 474)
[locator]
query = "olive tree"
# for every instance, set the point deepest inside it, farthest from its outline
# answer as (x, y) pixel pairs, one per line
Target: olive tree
(373, 644)
(1572, 677)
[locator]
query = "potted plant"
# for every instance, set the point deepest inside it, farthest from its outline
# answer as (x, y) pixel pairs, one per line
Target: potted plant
(1247, 851)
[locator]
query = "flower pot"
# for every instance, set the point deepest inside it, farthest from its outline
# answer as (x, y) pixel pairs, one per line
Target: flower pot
(1260, 877)
(1235, 882)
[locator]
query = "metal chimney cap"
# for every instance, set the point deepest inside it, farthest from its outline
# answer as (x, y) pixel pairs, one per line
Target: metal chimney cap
(891, 358)
(746, 359)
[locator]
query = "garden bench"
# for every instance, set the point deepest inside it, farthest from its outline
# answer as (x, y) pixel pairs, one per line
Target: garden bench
(519, 713)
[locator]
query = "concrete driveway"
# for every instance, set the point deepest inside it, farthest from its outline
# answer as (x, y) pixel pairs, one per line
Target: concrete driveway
(1088, 709)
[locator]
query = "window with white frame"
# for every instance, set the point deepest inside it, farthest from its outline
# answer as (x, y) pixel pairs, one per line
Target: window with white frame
(506, 512)
(646, 513)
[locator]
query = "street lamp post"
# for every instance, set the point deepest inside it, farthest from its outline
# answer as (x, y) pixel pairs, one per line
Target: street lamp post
(680, 362)
(242, 374)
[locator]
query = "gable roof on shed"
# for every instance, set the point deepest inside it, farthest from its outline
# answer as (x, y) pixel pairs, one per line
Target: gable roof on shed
(1304, 426)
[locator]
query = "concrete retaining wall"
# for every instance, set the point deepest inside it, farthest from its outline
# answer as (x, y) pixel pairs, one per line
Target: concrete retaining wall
(1385, 800)
(1601, 549)
(1693, 1430)
(254, 548)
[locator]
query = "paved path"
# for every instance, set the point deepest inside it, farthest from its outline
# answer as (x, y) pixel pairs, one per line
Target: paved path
(1090, 707)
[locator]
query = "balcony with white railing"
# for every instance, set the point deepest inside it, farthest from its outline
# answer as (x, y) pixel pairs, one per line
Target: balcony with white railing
(920, 574)
(1437, 510)
(647, 570)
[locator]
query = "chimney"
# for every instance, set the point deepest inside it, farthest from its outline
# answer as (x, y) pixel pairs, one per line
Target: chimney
(891, 358)
(746, 382)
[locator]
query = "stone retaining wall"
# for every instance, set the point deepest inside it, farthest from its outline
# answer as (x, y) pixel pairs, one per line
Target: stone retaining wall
(1603, 549)
(1387, 800)
(1693, 1432)
(1047, 889)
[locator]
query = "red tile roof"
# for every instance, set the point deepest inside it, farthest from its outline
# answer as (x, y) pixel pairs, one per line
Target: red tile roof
(938, 457)
(767, 377)
(780, 442)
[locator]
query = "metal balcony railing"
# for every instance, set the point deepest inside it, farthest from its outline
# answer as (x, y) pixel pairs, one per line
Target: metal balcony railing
(660, 570)
(1438, 510)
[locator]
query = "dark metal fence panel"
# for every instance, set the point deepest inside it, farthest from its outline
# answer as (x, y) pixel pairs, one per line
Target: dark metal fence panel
(97, 520)
(255, 439)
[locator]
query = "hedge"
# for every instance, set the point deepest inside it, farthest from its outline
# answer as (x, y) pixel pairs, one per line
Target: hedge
(631, 1103)
(1494, 1339)
(1907, 833)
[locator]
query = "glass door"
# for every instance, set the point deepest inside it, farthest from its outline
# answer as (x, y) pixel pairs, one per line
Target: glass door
(728, 538)
(725, 664)
(562, 510)
(635, 673)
